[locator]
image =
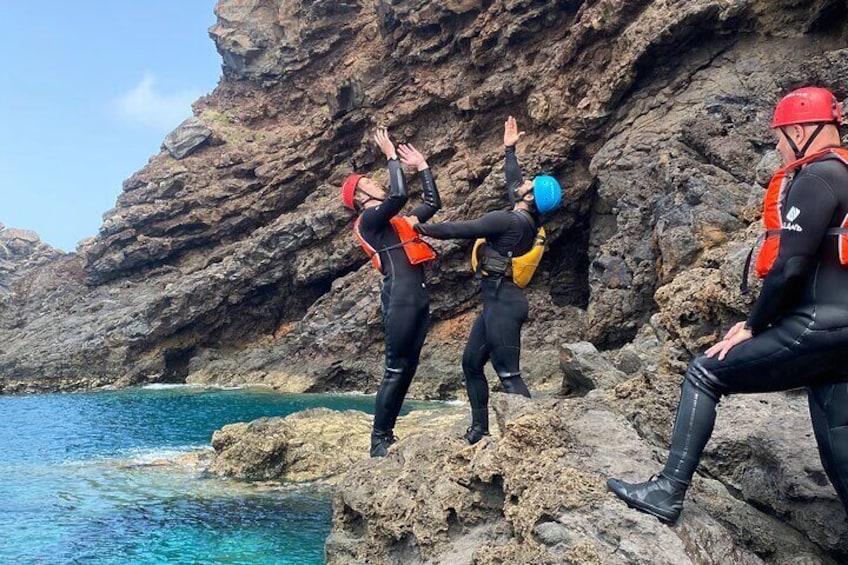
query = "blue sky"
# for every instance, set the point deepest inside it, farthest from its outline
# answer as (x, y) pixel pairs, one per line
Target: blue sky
(89, 89)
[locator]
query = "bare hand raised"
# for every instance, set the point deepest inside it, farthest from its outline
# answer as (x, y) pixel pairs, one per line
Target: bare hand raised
(511, 133)
(381, 138)
(409, 155)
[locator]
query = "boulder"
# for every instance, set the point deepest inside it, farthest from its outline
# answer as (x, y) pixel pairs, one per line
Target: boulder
(187, 138)
(586, 369)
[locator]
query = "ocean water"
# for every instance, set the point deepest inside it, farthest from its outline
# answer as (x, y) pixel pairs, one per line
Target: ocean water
(78, 483)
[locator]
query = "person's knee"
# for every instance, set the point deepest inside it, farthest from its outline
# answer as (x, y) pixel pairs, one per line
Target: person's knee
(703, 379)
(834, 402)
(396, 367)
(472, 366)
(839, 443)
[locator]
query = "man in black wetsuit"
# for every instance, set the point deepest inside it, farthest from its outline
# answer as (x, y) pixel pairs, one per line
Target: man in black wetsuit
(404, 299)
(797, 332)
(496, 333)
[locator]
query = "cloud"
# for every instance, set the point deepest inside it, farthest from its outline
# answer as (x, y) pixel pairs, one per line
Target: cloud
(147, 105)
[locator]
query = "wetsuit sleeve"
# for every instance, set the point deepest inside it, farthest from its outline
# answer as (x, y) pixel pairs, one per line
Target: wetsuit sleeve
(512, 170)
(490, 225)
(432, 201)
(379, 216)
(807, 214)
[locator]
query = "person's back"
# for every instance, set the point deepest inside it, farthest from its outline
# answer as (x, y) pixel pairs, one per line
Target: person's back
(496, 333)
(519, 235)
(827, 283)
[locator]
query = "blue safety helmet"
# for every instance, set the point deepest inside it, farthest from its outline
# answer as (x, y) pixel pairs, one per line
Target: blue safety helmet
(547, 193)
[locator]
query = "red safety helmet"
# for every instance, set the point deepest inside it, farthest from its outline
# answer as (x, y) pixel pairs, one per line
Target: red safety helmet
(348, 189)
(807, 105)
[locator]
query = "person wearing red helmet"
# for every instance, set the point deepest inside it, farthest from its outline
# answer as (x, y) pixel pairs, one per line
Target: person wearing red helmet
(398, 255)
(796, 334)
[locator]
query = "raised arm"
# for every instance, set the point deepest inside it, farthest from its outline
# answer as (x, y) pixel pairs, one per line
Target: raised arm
(409, 155)
(514, 178)
(398, 193)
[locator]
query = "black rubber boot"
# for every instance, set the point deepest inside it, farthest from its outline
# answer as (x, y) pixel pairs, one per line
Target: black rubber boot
(380, 442)
(479, 425)
(693, 426)
(389, 399)
(660, 496)
(474, 434)
(512, 383)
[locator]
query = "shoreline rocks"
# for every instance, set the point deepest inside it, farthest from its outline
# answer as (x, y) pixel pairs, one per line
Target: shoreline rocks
(313, 446)
(537, 494)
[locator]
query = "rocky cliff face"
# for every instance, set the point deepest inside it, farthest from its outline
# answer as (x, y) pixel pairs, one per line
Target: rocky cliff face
(228, 258)
(21, 252)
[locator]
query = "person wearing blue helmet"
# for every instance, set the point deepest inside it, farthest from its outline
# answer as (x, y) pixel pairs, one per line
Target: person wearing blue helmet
(496, 333)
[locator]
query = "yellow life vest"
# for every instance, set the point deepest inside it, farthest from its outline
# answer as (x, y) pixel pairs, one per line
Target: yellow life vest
(524, 266)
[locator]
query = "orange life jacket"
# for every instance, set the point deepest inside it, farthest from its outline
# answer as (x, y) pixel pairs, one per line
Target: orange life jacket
(773, 217)
(416, 249)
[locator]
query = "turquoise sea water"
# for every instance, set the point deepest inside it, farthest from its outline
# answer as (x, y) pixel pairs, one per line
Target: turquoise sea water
(77, 486)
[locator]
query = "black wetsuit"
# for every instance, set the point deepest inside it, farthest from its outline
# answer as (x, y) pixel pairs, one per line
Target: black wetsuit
(496, 333)
(800, 327)
(404, 299)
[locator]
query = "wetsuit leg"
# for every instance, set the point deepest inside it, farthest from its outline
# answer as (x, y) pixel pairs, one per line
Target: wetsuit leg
(507, 312)
(789, 355)
(829, 412)
(420, 326)
(693, 425)
(406, 316)
(474, 359)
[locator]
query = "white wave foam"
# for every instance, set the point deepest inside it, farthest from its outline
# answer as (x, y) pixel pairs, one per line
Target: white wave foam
(206, 386)
(139, 456)
(146, 456)
(455, 402)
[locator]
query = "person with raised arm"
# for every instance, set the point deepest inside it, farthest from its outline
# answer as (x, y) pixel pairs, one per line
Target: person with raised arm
(399, 255)
(506, 236)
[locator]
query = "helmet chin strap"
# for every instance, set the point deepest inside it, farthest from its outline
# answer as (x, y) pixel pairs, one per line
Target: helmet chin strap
(515, 188)
(369, 199)
(529, 202)
(799, 153)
